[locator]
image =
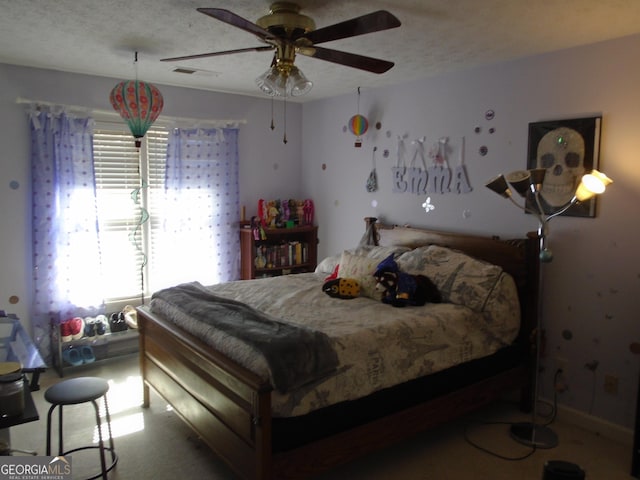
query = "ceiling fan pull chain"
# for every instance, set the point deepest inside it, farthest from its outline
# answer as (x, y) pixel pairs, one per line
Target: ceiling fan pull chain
(273, 126)
(284, 138)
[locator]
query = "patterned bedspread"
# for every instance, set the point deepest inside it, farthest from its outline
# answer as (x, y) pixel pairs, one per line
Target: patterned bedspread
(377, 345)
(296, 355)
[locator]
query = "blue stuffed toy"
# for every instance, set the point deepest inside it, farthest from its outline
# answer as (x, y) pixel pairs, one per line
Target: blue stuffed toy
(402, 289)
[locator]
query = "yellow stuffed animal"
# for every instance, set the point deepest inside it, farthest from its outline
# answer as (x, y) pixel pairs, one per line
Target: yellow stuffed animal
(342, 288)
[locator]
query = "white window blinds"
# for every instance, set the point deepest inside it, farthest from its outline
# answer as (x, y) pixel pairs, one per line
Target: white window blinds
(129, 184)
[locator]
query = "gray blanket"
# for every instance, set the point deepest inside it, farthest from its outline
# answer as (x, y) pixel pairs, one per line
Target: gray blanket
(295, 355)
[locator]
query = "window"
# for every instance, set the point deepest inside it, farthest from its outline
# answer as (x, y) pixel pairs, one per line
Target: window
(150, 240)
(129, 184)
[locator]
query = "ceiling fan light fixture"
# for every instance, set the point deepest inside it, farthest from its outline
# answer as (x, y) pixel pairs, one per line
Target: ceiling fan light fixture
(267, 82)
(280, 81)
(298, 82)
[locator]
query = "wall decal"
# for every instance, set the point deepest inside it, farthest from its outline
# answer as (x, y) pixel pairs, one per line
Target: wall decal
(372, 180)
(419, 178)
(428, 206)
(460, 178)
(398, 172)
(439, 172)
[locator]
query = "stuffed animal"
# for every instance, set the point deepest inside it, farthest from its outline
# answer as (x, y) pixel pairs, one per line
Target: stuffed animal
(402, 289)
(272, 214)
(342, 288)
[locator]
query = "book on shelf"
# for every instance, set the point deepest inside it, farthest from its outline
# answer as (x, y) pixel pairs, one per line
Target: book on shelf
(285, 254)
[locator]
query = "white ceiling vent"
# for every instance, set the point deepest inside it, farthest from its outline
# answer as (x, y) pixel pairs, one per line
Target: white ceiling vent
(195, 71)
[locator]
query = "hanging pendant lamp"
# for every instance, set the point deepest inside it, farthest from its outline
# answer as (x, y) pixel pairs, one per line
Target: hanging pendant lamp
(138, 103)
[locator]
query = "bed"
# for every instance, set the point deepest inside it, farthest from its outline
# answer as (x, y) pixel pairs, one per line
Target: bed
(288, 425)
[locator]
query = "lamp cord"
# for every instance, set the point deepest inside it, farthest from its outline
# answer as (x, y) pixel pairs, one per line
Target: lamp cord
(552, 418)
(490, 452)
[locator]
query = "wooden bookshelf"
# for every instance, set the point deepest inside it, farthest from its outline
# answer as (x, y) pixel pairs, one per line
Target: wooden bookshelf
(284, 251)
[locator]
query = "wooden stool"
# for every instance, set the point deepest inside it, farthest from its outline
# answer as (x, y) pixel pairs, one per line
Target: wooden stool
(75, 391)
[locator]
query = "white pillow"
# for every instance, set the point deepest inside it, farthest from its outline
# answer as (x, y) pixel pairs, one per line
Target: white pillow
(328, 265)
(361, 269)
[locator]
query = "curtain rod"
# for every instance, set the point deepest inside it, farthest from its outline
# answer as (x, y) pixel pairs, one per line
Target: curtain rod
(163, 119)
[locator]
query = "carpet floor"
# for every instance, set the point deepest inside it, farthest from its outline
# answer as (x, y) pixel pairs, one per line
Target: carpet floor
(154, 443)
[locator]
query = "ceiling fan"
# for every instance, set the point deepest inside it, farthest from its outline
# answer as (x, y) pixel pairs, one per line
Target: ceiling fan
(287, 32)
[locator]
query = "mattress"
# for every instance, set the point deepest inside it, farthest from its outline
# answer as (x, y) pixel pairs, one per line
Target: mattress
(377, 345)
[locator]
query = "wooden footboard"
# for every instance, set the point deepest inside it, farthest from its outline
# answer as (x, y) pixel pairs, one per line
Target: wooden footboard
(229, 407)
(226, 405)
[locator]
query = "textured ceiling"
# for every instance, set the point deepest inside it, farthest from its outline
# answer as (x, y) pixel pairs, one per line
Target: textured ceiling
(99, 37)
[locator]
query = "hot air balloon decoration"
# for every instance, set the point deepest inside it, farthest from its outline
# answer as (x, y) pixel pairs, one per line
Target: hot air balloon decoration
(358, 125)
(139, 104)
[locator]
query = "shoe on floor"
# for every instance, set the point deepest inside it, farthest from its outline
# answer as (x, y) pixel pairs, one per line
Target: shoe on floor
(76, 328)
(130, 316)
(101, 324)
(117, 322)
(65, 332)
(89, 327)
(72, 357)
(87, 354)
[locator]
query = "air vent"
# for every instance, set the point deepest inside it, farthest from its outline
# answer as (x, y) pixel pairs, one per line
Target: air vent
(195, 71)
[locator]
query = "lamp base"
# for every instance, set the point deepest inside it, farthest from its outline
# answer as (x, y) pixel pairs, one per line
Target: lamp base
(533, 435)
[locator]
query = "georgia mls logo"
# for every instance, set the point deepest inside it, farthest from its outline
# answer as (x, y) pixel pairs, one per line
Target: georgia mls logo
(35, 468)
(59, 466)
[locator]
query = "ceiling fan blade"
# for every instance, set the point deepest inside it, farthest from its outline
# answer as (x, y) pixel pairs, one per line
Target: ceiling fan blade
(215, 54)
(237, 21)
(374, 65)
(372, 22)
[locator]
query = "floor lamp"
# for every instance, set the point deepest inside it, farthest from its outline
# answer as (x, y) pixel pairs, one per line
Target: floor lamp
(528, 183)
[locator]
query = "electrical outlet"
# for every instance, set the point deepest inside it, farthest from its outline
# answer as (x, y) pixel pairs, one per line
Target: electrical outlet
(560, 379)
(611, 384)
(562, 364)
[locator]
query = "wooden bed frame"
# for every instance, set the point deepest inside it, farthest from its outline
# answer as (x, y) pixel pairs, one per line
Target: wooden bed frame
(229, 407)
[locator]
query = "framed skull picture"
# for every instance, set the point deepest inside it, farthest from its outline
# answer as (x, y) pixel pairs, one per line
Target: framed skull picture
(567, 149)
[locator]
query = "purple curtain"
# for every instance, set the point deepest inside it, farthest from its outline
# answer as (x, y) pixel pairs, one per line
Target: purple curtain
(66, 254)
(200, 240)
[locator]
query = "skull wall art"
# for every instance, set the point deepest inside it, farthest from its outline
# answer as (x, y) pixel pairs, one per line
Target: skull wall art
(561, 153)
(566, 149)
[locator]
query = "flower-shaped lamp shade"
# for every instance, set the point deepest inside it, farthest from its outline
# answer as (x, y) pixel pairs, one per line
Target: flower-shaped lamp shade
(592, 184)
(138, 103)
(521, 181)
(267, 81)
(299, 83)
(500, 186)
(283, 82)
(537, 176)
